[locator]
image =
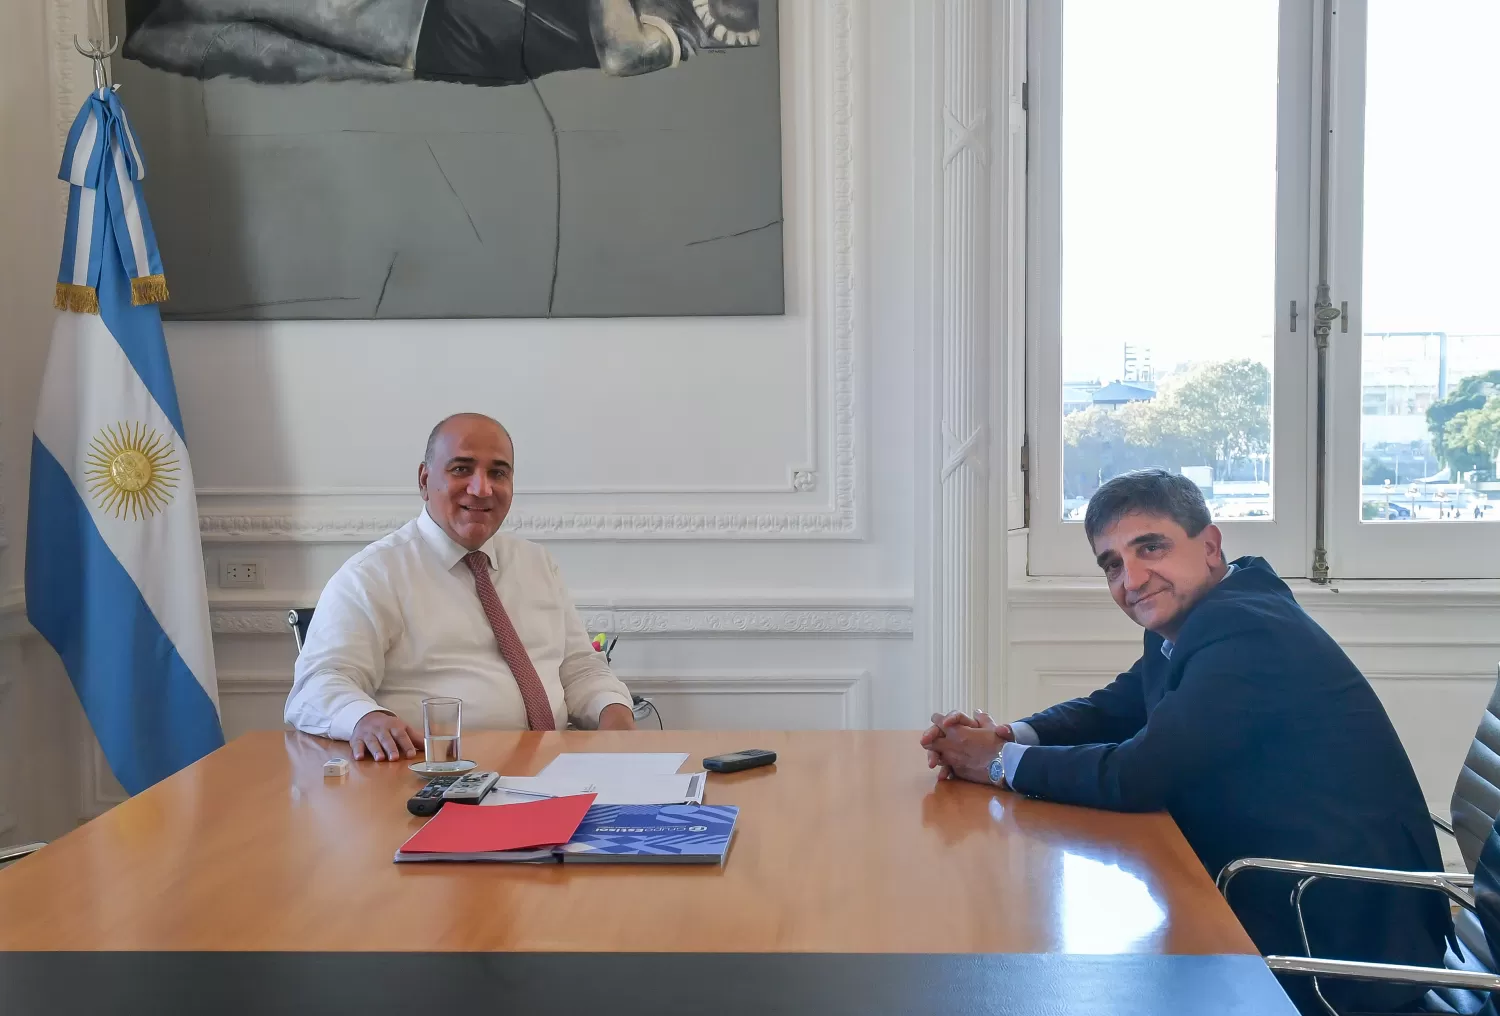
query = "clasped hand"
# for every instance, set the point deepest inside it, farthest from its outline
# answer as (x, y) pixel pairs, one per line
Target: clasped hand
(960, 746)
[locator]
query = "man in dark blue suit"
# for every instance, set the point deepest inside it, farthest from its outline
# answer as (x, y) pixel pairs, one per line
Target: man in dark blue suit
(1246, 722)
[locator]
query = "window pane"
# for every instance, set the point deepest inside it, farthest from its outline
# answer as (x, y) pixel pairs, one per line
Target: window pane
(1168, 246)
(1430, 422)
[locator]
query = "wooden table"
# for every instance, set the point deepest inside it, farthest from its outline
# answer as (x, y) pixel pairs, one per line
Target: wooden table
(846, 846)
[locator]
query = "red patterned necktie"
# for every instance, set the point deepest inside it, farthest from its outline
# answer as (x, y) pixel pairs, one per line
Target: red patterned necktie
(538, 708)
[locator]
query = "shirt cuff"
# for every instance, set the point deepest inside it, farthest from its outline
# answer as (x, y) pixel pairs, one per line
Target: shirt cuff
(1024, 733)
(341, 727)
(1010, 758)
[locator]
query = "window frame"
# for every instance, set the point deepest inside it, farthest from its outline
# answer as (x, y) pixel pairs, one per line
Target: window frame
(1408, 549)
(1058, 548)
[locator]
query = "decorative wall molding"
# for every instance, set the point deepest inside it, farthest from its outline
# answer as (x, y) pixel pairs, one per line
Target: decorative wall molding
(1364, 594)
(363, 527)
(660, 621)
(67, 68)
(851, 686)
(961, 560)
(762, 621)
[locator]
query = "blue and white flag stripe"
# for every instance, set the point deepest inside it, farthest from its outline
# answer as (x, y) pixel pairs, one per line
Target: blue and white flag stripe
(90, 385)
(114, 563)
(102, 153)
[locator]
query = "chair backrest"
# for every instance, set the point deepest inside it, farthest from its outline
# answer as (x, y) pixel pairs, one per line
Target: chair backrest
(1476, 796)
(1487, 890)
(299, 618)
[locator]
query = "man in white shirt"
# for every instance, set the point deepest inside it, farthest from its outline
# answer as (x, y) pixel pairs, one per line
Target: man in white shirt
(449, 606)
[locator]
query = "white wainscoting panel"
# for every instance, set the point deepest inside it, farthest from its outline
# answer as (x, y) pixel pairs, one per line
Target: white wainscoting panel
(688, 699)
(758, 700)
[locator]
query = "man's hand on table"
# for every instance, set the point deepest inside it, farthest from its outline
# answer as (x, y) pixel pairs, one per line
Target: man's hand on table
(962, 747)
(384, 737)
(616, 717)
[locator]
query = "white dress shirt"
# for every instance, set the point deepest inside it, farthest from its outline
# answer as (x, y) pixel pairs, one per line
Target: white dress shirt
(400, 622)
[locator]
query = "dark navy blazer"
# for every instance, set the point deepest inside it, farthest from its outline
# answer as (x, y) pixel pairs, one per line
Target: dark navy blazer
(1262, 739)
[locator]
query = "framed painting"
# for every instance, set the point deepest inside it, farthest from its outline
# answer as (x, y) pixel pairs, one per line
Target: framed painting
(459, 158)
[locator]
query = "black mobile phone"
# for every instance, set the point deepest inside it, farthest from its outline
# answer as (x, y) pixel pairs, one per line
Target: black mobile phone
(737, 760)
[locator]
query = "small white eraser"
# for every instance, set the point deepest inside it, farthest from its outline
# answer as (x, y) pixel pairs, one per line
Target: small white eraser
(336, 767)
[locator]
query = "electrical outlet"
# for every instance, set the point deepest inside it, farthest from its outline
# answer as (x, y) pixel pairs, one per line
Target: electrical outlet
(241, 574)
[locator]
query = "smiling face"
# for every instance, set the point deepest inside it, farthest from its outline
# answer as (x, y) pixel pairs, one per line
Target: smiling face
(1156, 571)
(467, 479)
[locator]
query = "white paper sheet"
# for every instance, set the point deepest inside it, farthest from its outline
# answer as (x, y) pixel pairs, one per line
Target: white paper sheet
(629, 788)
(595, 765)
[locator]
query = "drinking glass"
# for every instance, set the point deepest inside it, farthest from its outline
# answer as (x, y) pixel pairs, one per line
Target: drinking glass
(442, 725)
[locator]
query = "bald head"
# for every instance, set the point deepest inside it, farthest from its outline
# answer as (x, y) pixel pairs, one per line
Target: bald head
(461, 419)
(465, 477)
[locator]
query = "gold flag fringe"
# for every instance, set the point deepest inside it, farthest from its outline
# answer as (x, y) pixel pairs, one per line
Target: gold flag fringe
(78, 299)
(148, 289)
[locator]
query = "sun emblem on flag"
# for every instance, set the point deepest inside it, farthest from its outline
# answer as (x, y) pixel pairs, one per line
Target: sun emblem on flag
(132, 470)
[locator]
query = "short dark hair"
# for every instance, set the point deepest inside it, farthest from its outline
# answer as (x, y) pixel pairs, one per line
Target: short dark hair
(1147, 492)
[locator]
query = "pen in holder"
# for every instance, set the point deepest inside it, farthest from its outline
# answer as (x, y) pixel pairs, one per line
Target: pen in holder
(643, 707)
(605, 643)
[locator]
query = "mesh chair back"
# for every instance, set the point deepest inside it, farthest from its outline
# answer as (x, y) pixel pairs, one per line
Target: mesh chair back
(1476, 796)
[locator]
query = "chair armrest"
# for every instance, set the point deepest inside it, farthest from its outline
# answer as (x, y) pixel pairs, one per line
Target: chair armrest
(1440, 822)
(1435, 977)
(1452, 886)
(8, 854)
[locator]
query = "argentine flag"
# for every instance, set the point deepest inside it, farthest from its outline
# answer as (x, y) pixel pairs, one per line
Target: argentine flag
(114, 567)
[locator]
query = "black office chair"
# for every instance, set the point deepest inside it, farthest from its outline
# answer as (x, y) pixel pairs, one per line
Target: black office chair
(9, 854)
(1462, 984)
(1468, 974)
(1474, 809)
(1476, 795)
(298, 618)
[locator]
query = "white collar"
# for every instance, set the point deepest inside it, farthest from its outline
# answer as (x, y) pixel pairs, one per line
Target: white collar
(448, 551)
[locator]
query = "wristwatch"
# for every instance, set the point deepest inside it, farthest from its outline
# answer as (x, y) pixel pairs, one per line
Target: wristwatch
(997, 770)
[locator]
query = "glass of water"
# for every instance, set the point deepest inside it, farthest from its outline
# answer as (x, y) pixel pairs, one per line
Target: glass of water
(442, 725)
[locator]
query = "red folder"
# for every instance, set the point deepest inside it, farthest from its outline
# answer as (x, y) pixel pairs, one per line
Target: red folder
(473, 829)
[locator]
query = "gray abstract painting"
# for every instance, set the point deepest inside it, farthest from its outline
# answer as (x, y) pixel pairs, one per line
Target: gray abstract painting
(459, 158)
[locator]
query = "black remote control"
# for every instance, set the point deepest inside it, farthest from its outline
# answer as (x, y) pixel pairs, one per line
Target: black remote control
(429, 799)
(737, 760)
